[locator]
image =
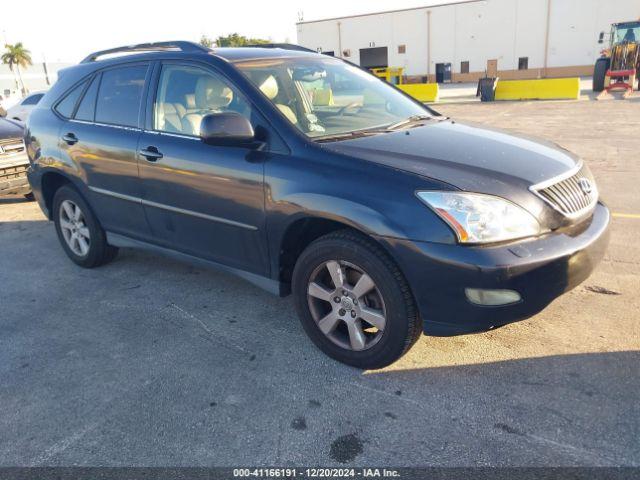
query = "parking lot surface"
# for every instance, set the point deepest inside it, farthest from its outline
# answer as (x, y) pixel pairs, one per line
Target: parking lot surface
(151, 362)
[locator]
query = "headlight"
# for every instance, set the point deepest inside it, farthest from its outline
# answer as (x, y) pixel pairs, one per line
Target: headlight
(478, 218)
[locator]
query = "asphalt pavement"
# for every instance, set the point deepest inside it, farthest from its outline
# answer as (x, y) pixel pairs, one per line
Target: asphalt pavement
(152, 362)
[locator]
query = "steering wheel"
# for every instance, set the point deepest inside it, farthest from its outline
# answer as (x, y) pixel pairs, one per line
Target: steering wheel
(349, 106)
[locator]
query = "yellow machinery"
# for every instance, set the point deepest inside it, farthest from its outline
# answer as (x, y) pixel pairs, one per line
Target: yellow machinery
(423, 92)
(392, 75)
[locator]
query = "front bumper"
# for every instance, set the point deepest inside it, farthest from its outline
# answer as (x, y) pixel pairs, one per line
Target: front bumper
(13, 175)
(540, 270)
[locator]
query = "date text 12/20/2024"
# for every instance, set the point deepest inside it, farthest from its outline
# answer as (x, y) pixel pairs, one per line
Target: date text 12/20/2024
(315, 473)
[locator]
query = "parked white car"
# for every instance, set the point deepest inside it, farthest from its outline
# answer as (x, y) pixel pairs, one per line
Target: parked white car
(21, 110)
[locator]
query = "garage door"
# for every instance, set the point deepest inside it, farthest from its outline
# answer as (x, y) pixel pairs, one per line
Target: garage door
(374, 57)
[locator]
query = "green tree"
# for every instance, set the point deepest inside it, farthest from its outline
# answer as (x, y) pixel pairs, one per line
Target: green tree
(236, 40)
(206, 41)
(17, 56)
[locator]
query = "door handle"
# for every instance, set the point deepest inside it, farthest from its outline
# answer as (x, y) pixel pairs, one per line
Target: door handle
(151, 154)
(70, 138)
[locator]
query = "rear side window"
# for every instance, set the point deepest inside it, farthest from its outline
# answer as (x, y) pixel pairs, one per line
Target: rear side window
(120, 95)
(66, 106)
(87, 108)
(33, 99)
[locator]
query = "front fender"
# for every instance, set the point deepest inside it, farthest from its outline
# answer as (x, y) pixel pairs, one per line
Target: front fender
(374, 199)
(351, 213)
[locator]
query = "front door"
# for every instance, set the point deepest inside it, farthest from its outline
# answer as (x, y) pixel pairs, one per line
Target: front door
(200, 199)
(492, 68)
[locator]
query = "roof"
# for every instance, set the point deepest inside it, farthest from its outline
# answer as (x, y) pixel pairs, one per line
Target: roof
(249, 53)
(390, 11)
(632, 23)
(157, 50)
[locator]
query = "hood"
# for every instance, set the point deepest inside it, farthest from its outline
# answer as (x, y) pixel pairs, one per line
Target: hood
(469, 157)
(10, 129)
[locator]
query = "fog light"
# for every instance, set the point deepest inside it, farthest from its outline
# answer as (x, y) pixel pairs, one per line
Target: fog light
(492, 297)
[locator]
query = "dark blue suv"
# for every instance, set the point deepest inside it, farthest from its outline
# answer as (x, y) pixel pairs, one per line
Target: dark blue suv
(303, 173)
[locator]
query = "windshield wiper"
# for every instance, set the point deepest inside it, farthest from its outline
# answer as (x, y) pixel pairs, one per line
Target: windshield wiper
(412, 120)
(354, 134)
(378, 130)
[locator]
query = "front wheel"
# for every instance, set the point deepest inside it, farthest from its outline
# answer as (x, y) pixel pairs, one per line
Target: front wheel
(600, 74)
(81, 236)
(353, 301)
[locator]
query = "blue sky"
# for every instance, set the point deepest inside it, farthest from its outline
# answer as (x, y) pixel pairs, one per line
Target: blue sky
(67, 30)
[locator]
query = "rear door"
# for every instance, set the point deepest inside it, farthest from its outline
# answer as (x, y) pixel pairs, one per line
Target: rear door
(101, 138)
(201, 199)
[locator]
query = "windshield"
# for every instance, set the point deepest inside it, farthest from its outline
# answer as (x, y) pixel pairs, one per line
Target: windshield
(324, 96)
(629, 32)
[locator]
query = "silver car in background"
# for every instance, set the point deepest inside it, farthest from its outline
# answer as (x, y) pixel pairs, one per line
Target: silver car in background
(13, 160)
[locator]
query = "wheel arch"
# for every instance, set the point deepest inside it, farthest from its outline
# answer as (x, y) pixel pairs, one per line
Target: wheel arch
(50, 183)
(302, 231)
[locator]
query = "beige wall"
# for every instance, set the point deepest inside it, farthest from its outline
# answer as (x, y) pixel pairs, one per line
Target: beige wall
(532, 73)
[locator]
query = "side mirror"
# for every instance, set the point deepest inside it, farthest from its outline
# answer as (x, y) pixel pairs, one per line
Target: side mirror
(601, 38)
(227, 128)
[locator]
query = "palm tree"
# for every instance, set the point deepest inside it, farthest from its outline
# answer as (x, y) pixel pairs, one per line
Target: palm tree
(18, 56)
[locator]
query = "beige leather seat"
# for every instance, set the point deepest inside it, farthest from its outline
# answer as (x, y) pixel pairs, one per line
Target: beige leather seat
(211, 96)
(180, 109)
(169, 119)
(269, 86)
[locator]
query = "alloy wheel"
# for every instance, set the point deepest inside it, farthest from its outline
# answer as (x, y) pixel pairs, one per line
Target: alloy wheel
(74, 229)
(346, 305)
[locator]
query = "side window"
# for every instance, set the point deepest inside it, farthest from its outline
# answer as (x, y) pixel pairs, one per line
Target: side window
(119, 95)
(66, 106)
(186, 94)
(87, 108)
(32, 99)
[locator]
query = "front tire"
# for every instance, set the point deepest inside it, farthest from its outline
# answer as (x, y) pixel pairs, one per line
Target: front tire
(600, 73)
(353, 301)
(81, 236)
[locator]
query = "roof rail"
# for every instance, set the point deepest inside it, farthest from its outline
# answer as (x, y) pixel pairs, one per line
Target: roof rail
(145, 47)
(284, 46)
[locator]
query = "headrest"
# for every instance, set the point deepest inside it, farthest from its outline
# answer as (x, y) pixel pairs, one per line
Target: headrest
(211, 93)
(190, 101)
(269, 86)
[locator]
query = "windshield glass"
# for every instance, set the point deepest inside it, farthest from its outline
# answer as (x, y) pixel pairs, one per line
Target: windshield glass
(629, 32)
(324, 96)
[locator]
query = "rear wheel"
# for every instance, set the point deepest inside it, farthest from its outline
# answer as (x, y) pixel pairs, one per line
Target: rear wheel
(81, 236)
(600, 73)
(353, 301)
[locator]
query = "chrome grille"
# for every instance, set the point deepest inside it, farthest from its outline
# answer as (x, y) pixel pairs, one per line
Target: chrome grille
(572, 195)
(12, 146)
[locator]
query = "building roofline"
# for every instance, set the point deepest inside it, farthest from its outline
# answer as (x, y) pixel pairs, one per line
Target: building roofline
(389, 11)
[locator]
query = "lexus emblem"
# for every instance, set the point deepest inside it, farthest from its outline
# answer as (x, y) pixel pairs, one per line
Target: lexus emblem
(585, 186)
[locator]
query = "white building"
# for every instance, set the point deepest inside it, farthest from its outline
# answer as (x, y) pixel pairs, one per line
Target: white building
(511, 38)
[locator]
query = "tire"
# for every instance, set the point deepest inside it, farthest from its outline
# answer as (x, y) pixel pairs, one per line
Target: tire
(390, 297)
(86, 225)
(29, 196)
(599, 73)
